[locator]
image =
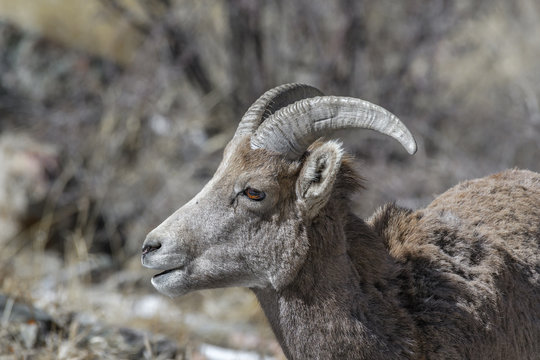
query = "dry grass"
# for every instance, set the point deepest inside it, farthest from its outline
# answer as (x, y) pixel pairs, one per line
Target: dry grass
(139, 129)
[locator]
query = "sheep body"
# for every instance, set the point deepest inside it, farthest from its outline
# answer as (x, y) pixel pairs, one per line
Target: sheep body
(472, 263)
(456, 280)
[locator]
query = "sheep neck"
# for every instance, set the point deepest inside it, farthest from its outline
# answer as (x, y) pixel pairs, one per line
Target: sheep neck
(334, 310)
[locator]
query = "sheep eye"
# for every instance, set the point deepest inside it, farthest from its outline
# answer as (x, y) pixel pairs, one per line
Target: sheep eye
(254, 194)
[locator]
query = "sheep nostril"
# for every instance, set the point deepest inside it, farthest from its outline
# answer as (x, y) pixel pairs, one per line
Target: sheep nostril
(150, 247)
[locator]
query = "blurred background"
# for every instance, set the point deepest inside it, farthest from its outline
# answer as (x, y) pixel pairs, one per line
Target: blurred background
(114, 113)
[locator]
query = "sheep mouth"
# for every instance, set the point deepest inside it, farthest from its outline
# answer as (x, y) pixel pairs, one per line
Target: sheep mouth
(168, 271)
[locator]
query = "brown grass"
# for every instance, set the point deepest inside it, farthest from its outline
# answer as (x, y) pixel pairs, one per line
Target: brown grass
(140, 99)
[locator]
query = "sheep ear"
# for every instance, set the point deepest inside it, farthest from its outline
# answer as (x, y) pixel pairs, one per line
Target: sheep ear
(316, 180)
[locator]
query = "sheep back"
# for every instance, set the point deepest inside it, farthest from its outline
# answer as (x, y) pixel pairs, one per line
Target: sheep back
(471, 267)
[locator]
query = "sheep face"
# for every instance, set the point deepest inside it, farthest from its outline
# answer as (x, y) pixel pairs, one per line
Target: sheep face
(247, 225)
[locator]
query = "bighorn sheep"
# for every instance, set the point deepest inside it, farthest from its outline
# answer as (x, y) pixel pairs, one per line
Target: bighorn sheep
(459, 279)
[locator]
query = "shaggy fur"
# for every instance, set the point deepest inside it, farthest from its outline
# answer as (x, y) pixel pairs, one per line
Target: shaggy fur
(459, 279)
(470, 263)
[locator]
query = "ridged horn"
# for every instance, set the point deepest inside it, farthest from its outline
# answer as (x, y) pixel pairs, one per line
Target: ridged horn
(270, 102)
(290, 130)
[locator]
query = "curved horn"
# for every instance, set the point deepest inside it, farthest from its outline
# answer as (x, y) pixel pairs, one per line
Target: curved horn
(270, 102)
(292, 129)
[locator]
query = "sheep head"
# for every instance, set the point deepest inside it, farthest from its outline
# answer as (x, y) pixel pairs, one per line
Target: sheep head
(247, 226)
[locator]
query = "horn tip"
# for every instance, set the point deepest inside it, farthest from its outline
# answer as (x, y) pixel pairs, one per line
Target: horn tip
(411, 147)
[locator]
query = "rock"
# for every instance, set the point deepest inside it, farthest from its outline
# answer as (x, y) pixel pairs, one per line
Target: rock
(13, 311)
(212, 352)
(24, 323)
(29, 334)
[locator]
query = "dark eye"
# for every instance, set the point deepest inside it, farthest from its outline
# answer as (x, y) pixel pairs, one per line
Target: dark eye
(254, 194)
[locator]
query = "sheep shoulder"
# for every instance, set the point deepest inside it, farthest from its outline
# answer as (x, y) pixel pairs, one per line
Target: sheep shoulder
(471, 266)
